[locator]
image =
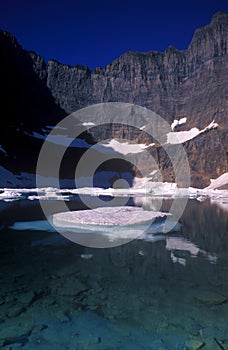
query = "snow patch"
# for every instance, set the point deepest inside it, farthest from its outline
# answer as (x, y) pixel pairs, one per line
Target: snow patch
(126, 147)
(86, 124)
(178, 122)
(183, 136)
(110, 147)
(219, 182)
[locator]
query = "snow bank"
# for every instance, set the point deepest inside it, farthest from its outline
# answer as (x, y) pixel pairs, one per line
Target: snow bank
(183, 136)
(112, 146)
(178, 122)
(219, 182)
(126, 147)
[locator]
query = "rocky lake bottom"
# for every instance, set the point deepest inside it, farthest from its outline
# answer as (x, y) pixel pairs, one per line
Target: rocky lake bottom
(167, 293)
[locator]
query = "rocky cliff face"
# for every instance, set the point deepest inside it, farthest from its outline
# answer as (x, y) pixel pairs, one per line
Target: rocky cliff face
(174, 84)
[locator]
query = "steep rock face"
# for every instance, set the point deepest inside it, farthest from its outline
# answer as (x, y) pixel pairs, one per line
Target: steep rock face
(26, 105)
(174, 84)
(170, 83)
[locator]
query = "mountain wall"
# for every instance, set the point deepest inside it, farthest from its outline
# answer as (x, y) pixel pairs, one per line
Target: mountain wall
(191, 83)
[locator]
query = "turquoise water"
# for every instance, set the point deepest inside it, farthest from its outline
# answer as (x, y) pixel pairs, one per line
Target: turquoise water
(170, 293)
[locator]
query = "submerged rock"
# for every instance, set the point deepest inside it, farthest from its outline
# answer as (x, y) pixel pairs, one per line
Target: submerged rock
(194, 344)
(209, 298)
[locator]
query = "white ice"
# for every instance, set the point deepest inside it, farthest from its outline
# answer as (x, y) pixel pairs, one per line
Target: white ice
(10, 195)
(148, 189)
(50, 196)
(106, 216)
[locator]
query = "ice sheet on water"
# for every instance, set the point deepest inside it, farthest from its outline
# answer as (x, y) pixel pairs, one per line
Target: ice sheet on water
(106, 216)
(111, 232)
(50, 197)
(36, 225)
(151, 189)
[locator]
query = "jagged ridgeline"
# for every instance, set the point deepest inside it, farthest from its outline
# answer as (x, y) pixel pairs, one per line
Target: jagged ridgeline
(175, 84)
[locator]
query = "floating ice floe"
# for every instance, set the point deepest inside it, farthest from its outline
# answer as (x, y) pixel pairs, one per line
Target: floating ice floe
(139, 187)
(151, 189)
(10, 195)
(50, 197)
(107, 226)
(106, 216)
(36, 225)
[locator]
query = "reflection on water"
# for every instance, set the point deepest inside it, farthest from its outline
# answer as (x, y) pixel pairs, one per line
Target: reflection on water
(167, 293)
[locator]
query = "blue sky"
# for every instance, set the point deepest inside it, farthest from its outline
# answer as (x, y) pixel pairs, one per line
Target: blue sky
(94, 33)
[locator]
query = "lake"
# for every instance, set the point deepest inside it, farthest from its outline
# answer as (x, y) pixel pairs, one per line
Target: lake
(169, 291)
